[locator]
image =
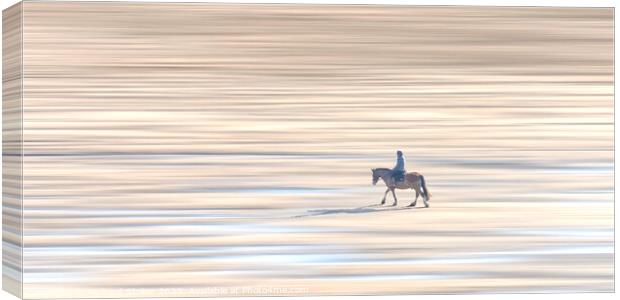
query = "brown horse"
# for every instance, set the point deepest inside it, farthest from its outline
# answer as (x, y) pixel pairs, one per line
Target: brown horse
(413, 180)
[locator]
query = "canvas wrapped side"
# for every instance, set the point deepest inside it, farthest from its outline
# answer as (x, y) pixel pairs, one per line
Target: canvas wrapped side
(12, 150)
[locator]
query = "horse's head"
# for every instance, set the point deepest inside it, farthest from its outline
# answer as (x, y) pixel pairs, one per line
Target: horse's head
(375, 176)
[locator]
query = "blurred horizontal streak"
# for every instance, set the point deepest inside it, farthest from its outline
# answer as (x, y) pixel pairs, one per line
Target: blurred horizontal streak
(180, 147)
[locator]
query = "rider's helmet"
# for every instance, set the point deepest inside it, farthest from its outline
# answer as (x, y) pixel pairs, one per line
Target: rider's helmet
(399, 153)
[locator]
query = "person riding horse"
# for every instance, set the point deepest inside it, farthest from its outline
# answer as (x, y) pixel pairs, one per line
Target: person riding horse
(399, 169)
(398, 178)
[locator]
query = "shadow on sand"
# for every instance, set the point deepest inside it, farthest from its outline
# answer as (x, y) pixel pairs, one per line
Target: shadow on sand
(358, 210)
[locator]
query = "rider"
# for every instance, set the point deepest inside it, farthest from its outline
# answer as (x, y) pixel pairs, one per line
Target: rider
(399, 169)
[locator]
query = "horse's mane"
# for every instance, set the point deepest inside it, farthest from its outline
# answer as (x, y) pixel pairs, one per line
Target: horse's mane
(383, 169)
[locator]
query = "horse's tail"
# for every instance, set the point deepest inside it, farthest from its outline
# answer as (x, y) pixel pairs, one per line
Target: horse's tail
(427, 193)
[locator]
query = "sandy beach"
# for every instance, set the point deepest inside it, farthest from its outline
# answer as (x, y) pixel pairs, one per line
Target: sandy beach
(225, 150)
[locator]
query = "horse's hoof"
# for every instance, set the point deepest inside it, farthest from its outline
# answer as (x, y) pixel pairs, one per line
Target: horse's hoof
(394, 204)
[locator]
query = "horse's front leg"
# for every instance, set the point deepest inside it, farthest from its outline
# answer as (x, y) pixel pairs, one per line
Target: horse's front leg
(384, 196)
(395, 199)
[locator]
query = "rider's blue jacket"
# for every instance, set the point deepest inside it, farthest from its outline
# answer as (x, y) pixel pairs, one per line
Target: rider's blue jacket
(400, 163)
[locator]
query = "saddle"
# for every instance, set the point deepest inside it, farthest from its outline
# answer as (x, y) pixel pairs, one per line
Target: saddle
(398, 176)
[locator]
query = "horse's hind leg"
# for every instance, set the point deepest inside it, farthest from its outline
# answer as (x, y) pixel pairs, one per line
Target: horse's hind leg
(395, 200)
(425, 198)
(425, 202)
(416, 199)
(384, 196)
(419, 192)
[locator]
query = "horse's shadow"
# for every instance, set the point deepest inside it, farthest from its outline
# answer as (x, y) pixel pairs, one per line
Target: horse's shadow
(375, 208)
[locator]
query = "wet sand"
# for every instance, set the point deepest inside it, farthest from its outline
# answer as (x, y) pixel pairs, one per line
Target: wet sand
(225, 150)
(483, 233)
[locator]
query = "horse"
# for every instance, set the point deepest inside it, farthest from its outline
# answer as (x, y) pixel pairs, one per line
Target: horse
(413, 180)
